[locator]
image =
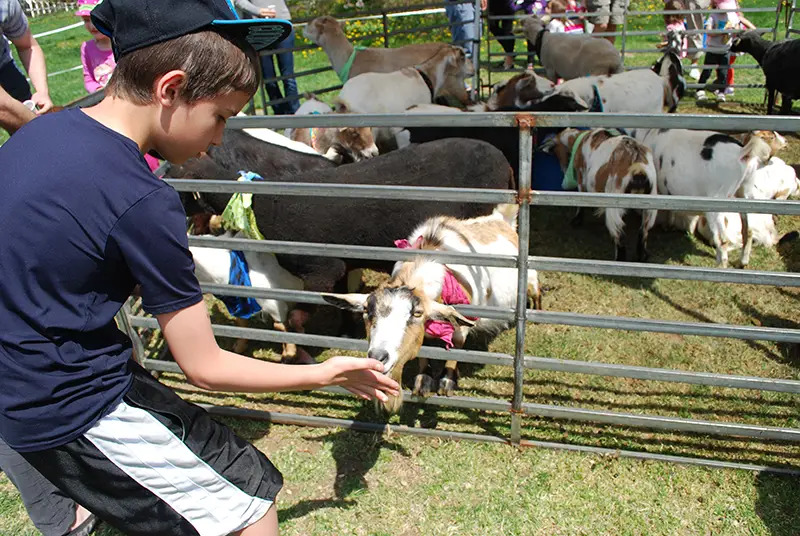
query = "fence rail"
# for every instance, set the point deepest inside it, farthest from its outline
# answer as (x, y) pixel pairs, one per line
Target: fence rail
(516, 408)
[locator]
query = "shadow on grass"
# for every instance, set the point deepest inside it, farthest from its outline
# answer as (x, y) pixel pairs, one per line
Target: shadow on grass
(776, 504)
(685, 444)
(355, 454)
(789, 353)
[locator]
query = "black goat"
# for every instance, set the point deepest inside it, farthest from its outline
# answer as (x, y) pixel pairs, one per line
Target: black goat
(780, 62)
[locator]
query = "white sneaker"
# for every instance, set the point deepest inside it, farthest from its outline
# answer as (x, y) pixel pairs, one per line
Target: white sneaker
(694, 73)
(729, 91)
(701, 94)
(720, 96)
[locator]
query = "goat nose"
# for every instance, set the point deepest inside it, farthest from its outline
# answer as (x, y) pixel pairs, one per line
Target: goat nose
(378, 353)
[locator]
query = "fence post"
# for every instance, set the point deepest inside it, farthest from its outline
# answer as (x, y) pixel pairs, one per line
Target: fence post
(790, 20)
(385, 21)
(476, 48)
(523, 227)
(624, 35)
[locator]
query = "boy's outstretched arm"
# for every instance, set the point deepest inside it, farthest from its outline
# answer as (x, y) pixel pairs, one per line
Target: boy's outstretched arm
(191, 341)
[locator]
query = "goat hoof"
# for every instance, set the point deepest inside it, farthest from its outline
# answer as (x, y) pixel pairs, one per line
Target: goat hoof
(240, 346)
(423, 385)
(447, 387)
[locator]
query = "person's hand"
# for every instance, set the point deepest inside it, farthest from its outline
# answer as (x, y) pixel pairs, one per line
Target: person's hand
(267, 12)
(43, 102)
(484, 3)
(361, 376)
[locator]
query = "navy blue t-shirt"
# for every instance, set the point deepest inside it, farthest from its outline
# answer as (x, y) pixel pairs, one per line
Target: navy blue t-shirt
(84, 220)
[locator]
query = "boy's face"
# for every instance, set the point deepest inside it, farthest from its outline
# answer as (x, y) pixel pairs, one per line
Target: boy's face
(193, 128)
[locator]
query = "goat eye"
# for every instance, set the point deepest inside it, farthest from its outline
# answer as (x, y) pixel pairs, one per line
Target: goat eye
(417, 314)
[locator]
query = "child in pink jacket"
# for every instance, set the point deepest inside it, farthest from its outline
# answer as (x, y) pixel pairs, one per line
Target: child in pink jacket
(96, 55)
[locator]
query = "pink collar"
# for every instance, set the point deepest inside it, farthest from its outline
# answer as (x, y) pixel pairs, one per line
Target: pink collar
(452, 293)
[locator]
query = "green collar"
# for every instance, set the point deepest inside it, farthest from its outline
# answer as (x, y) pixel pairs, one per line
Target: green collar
(570, 182)
(344, 74)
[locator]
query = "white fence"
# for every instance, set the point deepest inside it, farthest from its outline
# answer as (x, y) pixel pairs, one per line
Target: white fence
(34, 8)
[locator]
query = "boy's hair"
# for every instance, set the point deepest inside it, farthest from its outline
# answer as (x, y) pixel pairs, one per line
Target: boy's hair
(214, 65)
(673, 5)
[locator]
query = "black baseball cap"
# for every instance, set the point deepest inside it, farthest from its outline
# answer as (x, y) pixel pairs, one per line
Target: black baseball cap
(135, 24)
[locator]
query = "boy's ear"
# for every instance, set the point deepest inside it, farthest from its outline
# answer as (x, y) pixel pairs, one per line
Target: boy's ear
(167, 87)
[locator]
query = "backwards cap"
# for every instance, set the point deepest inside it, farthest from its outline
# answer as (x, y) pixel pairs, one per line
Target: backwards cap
(135, 24)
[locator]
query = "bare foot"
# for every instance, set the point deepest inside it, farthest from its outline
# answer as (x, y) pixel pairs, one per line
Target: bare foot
(81, 514)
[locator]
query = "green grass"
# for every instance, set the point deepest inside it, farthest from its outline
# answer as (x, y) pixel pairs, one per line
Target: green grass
(341, 482)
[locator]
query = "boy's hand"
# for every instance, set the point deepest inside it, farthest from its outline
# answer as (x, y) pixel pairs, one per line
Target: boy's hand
(361, 376)
(267, 13)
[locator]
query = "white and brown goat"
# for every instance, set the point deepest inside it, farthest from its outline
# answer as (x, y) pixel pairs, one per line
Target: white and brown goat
(328, 33)
(704, 163)
(342, 145)
(396, 91)
(609, 163)
(402, 312)
(652, 91)
(213, 265)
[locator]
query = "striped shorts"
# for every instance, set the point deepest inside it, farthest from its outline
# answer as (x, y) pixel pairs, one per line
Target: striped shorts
(158, 465)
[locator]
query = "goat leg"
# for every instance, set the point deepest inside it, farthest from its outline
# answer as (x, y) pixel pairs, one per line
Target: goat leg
(620, 252)
(577, 219)
(423, 383)
(786, 105)
(240, 345)
(747, 240)
(447, 383)
(296, 322)
(770, 100)
(289, 352)
(641, 247)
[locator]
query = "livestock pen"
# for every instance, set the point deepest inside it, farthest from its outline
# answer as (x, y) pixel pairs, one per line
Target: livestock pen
(524, 358)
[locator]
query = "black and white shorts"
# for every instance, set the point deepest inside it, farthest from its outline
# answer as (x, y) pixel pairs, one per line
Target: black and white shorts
(158, 465)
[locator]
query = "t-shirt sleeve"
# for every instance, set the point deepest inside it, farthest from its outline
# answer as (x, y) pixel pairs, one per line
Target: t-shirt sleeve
(15, 24)
(151, 239)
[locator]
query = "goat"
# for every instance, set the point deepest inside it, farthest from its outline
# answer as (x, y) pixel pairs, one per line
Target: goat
(363, 222)
(327, 32)
(640, 91)
(707, 164)
(604, 162)
(571, 56)
(213, 265)
(240, 150)
(780, 62)
(398, 90)
(341, 145)
(776, 180)
(399, 313)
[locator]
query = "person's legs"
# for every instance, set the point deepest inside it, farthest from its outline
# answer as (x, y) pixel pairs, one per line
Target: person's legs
(166, 469)
(266, 526)
(694, 21)
(13, 81)
(721, 81)
(52, 512)
(267, 72)
(502, 28)
(286, 68)
(601, 23)
(462, 26)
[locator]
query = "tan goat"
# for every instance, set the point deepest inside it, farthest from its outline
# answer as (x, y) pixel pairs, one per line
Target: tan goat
(413, 304)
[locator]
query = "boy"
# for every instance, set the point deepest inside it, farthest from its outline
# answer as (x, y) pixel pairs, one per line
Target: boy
(85, 221)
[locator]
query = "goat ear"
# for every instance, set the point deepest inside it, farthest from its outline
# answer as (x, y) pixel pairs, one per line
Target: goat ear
(446, 313)
(349, 302)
